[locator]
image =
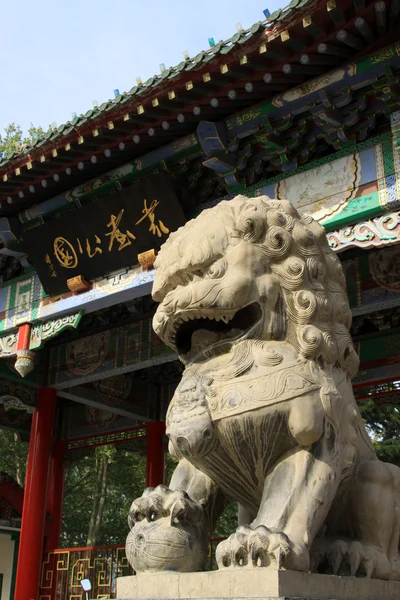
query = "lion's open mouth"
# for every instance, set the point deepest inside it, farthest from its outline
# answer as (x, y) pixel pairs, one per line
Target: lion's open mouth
(194, 333)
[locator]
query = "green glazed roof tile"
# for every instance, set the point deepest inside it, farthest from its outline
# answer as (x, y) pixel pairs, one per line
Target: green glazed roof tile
(158, 81)
(255, 28)
(275, 16)
(234, 39)
(173, 75)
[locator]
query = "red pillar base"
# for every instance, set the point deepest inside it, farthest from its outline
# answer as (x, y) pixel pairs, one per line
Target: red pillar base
(33, 514)
(155, 454)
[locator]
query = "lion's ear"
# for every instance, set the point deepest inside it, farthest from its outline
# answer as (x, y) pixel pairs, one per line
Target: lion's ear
(251, 224)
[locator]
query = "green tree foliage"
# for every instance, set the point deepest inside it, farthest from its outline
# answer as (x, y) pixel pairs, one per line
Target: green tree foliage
(227, 522)
(14, 139)
(13, 455)
(383, 425)
(99, 490)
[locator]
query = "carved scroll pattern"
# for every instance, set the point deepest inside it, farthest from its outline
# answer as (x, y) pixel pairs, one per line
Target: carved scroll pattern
(376, 232)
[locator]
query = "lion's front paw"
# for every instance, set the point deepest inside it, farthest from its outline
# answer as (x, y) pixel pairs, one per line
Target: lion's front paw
(261, 547)
(161, 502)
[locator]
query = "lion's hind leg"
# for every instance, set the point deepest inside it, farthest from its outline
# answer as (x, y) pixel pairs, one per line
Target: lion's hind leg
(375, 503)
(370, 547)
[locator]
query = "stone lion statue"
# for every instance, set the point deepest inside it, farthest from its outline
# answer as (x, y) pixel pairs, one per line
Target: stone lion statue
(254, 302)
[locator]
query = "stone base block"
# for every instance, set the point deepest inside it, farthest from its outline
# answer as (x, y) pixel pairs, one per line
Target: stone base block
(257, 584)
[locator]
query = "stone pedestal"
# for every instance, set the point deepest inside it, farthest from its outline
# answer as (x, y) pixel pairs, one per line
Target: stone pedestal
(238, 584)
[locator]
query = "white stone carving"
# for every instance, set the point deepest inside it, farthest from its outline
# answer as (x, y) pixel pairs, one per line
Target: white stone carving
(254, 301)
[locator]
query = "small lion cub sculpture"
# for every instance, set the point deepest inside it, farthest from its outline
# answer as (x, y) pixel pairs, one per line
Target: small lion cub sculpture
(254, 302)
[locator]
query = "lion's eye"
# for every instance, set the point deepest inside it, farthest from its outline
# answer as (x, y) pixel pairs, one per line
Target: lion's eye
(216, 270)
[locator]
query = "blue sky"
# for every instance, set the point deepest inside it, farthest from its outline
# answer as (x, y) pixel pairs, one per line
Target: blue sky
(60, 55)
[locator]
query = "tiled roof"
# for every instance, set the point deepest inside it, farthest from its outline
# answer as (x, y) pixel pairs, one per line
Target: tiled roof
(223, 48)
(159, 120)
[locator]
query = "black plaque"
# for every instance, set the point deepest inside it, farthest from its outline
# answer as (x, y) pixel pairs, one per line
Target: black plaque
(106, 235)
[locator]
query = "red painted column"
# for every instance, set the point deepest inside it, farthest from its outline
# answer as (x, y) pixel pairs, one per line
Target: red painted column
(33, 514)
(155, 454)
(24, 336)
(55, 494)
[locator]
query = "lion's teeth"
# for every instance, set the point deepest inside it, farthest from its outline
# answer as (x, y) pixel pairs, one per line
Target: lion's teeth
(225, 318)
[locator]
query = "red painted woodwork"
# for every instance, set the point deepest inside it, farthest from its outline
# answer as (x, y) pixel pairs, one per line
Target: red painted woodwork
(114, 438)
(24, 337)
(375, 382)
(55, 494)
(33, 514)
(155, 454)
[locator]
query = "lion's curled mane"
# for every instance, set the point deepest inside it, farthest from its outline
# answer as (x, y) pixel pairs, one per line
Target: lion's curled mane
(296, 249)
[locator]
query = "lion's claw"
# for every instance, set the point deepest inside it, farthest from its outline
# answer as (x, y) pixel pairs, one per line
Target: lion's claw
(348, 557)
(255, 547)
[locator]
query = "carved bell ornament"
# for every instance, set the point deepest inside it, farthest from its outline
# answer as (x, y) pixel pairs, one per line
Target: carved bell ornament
(25, 362)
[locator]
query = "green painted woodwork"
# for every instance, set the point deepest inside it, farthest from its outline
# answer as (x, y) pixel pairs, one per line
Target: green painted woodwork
(42, 332)
(378, 57)
(124, 347)
(385, 139)
(380, 349)
(358, 209)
